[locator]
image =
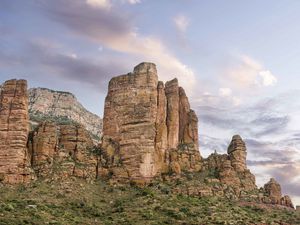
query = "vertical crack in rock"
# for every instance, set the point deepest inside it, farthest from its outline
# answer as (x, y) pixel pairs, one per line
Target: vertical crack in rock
(143, 116)
(14, 129)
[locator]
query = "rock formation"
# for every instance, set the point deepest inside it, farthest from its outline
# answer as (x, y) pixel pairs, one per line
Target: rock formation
(149, 132)
(231, 168)
(62, 151)
(62, 106)
(14, 127)
(273, 194)
(237, 153)
(148, 122)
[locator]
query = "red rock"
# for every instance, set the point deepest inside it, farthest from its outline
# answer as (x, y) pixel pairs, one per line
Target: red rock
(14, 129)
(237, 153)
(63, 151)
(172, 93)
(145, 118)
(273, 194)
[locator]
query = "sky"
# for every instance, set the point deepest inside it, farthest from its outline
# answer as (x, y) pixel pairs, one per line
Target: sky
(237, 60)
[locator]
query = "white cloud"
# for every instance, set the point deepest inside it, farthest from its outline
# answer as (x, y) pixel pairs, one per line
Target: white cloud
(249, 73)
(181, 22)
(105, 4)
(266, 78)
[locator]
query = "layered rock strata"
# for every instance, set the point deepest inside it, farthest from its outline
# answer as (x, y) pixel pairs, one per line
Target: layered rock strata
(14, 128)
(62, 151)
(148, 121)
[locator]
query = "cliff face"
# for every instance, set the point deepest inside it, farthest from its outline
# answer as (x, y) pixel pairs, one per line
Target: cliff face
(148, 122)
(149, 133)
(62, 151)
(46, 103)
(14, 128)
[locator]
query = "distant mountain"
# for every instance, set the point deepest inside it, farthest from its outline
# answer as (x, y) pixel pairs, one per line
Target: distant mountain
(62, 107)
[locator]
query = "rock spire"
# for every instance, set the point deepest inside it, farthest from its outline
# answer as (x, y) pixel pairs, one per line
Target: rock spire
(149, 122)
(14, 128)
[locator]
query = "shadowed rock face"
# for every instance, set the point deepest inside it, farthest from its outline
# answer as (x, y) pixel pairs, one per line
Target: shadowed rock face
(148, 121)
(14, 128)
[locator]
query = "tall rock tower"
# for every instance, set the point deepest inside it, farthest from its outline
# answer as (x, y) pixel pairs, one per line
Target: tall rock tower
(14, 128)
(148, 127)
(237, 153)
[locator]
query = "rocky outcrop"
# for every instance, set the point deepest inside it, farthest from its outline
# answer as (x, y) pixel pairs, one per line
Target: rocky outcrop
(149, 131)
(62, 151)
(43, 145)
(143, 118)
(14, 127)
(62, 107)
(274, 196)
(237, 153)
(231, 168)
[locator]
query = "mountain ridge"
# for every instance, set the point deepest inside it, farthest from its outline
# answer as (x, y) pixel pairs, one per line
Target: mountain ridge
(47, 103)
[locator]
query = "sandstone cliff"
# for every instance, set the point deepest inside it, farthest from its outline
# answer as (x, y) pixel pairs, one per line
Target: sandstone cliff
(152, 125)
(14, 128)
(61, 106)
(61, 151)
(150, 135)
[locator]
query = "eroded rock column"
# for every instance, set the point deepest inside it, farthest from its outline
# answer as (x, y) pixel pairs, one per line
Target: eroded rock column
(14, 129)
(237, 153)
(130, 120)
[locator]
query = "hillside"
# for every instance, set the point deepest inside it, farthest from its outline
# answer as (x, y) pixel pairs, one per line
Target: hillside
(62, 107)
(77, 202)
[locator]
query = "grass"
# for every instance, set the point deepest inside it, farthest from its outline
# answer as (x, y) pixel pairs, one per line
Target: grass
(77, 202)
